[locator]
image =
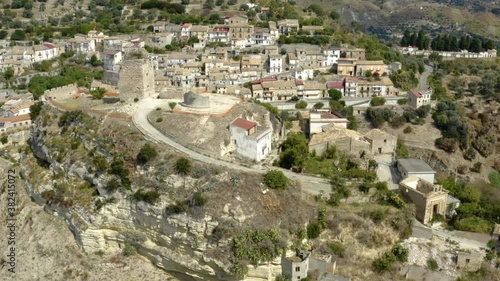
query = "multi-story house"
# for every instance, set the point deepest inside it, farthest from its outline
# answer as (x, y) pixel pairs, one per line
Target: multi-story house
(219, 34)
(382, 86)
(81, 45)
(376, 67)
(288, 26)
(330, 56)
(418, 98)
(350, 86)
(353, 53)
(275, 63)
(111, 59)
(346, 66)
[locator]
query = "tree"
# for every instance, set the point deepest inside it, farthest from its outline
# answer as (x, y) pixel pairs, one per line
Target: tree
(476, 46)
(376, 101)
(276, 179)
(147, 153)
(98, 93)
(301, 105)
(3, 34)
(94, 61)
(318, 105)
(18, 35)
(313, 230)
(8, 74)
(334, 15)
(185, 2)
(4, 139)
(35, 110)
(183, 166)
(172, 105)
(335, 94)
(423, 111)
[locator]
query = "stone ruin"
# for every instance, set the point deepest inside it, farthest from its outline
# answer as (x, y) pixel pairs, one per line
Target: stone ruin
(136, 76)
(196, 100)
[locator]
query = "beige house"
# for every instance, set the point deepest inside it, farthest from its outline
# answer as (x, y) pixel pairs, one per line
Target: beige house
(381, 142)
(429, 199)
(320, 119)
(418, 98)
(382, 87)
(376, 67)
(15, 122)
(271, 89)
(314, 90)
(346, 66)
(343, 139)
(288, 26)
(353, 53)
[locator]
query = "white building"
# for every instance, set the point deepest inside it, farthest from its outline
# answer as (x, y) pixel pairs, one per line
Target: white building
(418, 98)
(415, 167)
(318, 119)
(331, 55)
(275, 64)
(251, 140)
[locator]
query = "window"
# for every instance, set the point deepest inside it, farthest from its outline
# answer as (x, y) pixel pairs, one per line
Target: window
(297, 268)
(467, 260)
(385, 140)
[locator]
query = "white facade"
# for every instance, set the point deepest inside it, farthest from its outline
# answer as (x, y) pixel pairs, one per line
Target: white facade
(319, 119)
(251, 142)
(275, 64)
(331, 56)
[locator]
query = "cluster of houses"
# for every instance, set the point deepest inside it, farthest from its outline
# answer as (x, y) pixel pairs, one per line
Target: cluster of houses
(14, 112)
(449, 55)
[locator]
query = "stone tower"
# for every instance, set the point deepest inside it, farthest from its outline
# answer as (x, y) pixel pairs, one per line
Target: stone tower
(136, 77)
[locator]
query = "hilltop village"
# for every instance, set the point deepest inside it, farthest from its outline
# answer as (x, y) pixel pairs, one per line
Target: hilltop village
(234, 152)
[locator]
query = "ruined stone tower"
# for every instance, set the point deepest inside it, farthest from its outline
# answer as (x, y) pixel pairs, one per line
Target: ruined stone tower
(136, 76)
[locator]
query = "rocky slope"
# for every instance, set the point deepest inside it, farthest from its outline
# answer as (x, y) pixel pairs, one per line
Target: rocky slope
(61, 175)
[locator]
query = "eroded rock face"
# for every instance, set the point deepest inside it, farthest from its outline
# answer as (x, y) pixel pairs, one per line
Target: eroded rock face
(175, 243)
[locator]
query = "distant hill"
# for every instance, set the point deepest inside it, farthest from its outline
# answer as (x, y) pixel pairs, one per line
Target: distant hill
(387, 18)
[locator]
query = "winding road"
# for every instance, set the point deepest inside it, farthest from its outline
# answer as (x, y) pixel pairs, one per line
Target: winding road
(422, 81)
(309, 184)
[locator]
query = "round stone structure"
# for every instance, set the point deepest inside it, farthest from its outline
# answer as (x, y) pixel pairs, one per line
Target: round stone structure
(196, 100)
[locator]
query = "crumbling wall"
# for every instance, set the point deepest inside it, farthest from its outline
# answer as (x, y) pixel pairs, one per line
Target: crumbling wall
(61, 92)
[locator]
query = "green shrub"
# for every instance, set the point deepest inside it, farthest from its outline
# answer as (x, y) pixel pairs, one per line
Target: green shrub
(432, 265)
(378, 215)
(257, 245)
(238, 269)
(402, 101)
(183, 166)
(400, 253)
(474, 224)
(146, 154)
(377, 101)
(35, 110)
(136, 99)
(172, 105)
(150, 197)
(384, 263)
(198, 199)
(4, 139)
(438, 218)
(313, 230)
(276, 179)
(159, 119)
(301, 105)
(112, 185)
(98, 93)
(386, 197)
(494, 178)
(129, 250)
(407, 130)
(177, 208)
(100, 163)
(337, 249)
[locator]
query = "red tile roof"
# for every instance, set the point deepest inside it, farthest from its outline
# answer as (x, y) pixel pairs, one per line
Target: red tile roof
(244, 124)
(335, 85)
(18, 118)
(417, 94)
(299, 82)
(186, 25)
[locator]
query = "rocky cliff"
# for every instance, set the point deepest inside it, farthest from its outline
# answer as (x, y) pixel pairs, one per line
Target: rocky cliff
(62, 175)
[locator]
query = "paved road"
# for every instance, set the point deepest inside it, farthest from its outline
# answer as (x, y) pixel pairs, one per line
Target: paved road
(422, 82)
(312, 185)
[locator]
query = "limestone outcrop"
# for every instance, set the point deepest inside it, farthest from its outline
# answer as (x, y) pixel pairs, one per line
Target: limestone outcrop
(176, 243)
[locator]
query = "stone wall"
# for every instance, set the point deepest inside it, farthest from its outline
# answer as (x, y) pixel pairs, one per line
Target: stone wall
(136, 77)
(61, 92)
